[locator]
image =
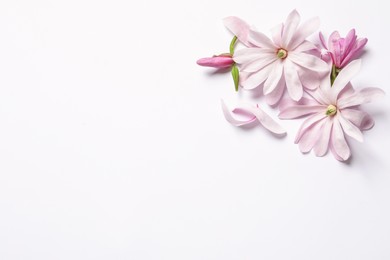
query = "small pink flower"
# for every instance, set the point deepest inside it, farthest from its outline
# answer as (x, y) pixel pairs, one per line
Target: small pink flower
(219, 61)
(334, 111)
(342, 50)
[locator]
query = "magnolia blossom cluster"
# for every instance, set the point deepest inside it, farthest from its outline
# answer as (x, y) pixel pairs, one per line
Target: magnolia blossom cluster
(301, 79)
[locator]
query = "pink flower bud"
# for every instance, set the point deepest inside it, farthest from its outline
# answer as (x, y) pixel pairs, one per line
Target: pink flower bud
(220, 61)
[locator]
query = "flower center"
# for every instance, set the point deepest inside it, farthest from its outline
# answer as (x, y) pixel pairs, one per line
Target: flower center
(331, 110)
(282, 53)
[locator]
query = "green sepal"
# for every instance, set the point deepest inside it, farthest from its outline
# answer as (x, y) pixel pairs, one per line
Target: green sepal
(236, 76)
(232, 44)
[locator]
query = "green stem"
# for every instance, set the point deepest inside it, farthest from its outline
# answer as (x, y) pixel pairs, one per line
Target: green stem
(232, 44)
(335, 72)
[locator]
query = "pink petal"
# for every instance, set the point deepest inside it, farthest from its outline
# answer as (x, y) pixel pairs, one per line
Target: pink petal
(308, 61)
(339, 144)
(300, 110)
(277, 35)
(216, 62)
(354, 52)
(256, 78)
(259, 63)
(362, 96)
(343, 78)
(288, 102)
(290, 27)
(274, 77)
(246, 55)
(236, 122)
(239, 28)
(310, 80)
(322, 40)
(349, 128)
(256, 113)
(274, 97)
(311, 136)
(304, 46)
(322, 144)
(335, 36)
(359, 118)
(260, 40)
(304, 31)
(308, 123)
(293, 83)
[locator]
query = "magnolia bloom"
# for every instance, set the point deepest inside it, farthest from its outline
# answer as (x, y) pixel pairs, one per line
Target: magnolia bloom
(334, 112)
(341, 50)
(283, 61)
(219, 61)
(246, 114)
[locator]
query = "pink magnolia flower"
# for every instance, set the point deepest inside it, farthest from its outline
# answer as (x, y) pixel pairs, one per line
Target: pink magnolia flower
(283, 61)
(334, 112)
(342, 50)
(248, 114)
(218, 61)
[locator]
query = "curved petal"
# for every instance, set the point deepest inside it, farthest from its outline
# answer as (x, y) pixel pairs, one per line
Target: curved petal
(290, 27)
(255, 79)
(308, 123)
(236, 122)
(305, 30)
(339, 144)
(260, 40)
(255, 113)
(322, 145)
(322, 40)
(274, 77)
(287, 102)
(349, 128)
(353, 53)
(362, 96)
(359, 118)
(238, 27)
(293, 83)
(311, 136)
(308, 61)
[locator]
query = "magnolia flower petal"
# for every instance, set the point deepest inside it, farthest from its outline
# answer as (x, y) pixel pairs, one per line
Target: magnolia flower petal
(300, 110)
(308, 123)
(277, 34)
(274, 97)
(256, 113)
(290, 27)
(359, 118)
(293, 83)
(255, 79)
(344, 77)
(232, 120)
(304, 46)
(246, 55)
(349, 128)
(322, 145)
(274, 77)
(238, 27)
(362, 96)
(287, 102)
(259, 63)
(260, 40)
(353, 53)
(305, 30)
(322, 40)
(309, 80)
(309, 62)
(339, 144)
(311, 136)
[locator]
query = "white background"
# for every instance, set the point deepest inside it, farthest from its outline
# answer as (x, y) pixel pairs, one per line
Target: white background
(113, 144)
